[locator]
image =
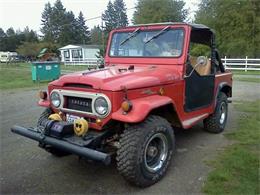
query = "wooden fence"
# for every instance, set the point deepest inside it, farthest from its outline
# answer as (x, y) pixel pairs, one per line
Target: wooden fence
(241, 64)
(244, 64)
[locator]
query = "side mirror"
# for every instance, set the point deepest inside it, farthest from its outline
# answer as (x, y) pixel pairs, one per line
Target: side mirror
(201, 60)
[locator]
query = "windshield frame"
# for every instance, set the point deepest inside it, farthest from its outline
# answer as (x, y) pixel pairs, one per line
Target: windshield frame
(147, 30)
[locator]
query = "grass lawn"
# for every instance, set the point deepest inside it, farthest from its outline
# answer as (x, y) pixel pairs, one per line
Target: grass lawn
(236, 169)
(15, 76)
(18, 75)
(249, 72)
(248, 79)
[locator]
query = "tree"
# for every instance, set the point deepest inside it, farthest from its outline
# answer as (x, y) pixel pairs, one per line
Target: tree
(61, 26)
(83, 35)
(59, 20)
(30, 50)
(115, 15)
(68, 30)
(29, 35)
(109, 17)
(46, 23)
(152, 11)
(120, 13)
(3, 40)
(2, 33)
(96, 36)
(235, 23)
(10, 40)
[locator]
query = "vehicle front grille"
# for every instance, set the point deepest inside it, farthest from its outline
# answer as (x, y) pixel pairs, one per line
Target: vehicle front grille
(78, 103)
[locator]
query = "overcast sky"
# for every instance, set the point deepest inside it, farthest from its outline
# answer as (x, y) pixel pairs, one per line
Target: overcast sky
(21, 13)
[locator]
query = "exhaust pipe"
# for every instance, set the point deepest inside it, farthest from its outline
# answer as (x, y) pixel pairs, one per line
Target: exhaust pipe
(63, 145)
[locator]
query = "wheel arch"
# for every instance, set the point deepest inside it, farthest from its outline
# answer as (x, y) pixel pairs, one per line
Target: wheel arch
(151, 105)
(225, 88)
(169, 112)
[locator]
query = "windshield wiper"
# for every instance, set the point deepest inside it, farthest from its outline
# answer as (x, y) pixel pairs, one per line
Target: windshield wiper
(158, 34)
(133, 34)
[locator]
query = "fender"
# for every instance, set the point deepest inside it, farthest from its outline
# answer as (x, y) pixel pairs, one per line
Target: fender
(141, 108)
(221, 86)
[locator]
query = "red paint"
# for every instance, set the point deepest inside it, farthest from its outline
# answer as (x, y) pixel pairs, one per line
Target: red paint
(142, 84)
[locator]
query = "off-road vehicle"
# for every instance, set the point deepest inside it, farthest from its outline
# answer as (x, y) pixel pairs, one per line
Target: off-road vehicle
(156, 78)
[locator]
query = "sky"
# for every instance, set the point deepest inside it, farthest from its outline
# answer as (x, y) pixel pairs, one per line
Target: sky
(21, 13)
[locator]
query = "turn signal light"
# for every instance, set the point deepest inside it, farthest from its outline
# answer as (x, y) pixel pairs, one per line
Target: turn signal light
(43, 94)
(126, 106)
(161, 91)
(98, 121)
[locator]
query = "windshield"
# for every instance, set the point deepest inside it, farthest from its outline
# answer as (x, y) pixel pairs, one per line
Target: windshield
(156, 43)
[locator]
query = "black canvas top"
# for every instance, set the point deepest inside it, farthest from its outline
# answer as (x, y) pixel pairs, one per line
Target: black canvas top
(194, 26)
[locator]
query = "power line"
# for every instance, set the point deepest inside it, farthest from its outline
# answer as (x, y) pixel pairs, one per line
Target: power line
(97, 17)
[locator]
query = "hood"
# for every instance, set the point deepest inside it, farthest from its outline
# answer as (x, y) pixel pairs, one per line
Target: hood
(117, 77)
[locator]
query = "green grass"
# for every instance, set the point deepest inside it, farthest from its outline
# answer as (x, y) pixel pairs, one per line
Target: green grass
(249, 72)
(248, 79)
(18, 75)
(14, 76)
(236, 168)
(73, 68)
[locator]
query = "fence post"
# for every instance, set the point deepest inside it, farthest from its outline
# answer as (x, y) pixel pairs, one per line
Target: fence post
(225, 64)
(246, 65)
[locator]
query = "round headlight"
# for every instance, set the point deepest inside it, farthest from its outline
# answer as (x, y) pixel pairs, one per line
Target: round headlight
(55, 99)
(101, 106)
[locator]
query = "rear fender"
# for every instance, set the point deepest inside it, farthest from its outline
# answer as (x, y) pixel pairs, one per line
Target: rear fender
(141, 108)
(225, 88)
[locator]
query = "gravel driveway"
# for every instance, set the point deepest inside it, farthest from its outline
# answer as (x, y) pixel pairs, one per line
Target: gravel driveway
(25, 168)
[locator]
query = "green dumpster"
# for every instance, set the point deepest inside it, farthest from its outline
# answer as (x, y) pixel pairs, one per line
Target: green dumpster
(45, 71)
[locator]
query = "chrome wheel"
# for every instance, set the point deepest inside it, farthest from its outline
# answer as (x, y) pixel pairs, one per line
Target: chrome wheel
(156, 152)
(223, 113)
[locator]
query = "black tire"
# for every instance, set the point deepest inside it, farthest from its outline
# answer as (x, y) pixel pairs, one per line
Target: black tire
(154, 135)
(40, 127)
(216, 122)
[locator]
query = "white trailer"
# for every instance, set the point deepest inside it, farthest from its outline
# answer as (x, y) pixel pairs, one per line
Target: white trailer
(7, 56)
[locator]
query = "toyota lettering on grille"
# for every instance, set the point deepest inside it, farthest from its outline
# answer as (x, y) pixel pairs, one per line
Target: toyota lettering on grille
(80, 103)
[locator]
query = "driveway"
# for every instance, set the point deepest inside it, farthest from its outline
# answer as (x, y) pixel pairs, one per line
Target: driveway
(25, 168)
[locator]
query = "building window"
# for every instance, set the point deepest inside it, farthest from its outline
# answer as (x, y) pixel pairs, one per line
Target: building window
(77, 53)
(66, 54)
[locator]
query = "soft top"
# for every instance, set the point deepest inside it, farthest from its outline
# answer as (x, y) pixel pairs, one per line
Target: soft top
(194, 26)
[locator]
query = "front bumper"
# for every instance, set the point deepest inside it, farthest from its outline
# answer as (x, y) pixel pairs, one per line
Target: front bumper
(62, 144)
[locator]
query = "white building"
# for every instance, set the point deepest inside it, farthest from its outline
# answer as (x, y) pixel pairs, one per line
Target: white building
(79, 54)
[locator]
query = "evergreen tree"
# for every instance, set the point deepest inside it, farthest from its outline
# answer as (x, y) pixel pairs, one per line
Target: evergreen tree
(115, 15)
(96, 35)
(68, 30)
(46, 23)
(3, 40)
(83, 35)
(153, 11)
(10, 32)
(29, 35)
(59, 18)
(109, 17)
(2, 33)
(120, 13)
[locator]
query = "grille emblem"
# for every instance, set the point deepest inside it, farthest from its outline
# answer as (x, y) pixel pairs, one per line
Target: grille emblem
(80, 103)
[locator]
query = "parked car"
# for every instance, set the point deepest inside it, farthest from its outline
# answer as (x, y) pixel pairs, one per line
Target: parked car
(151, 84)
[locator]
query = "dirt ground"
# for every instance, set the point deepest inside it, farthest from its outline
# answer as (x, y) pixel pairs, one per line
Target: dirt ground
(25, 168)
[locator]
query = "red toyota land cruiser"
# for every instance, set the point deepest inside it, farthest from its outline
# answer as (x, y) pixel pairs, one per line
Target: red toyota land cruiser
(156, 77)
